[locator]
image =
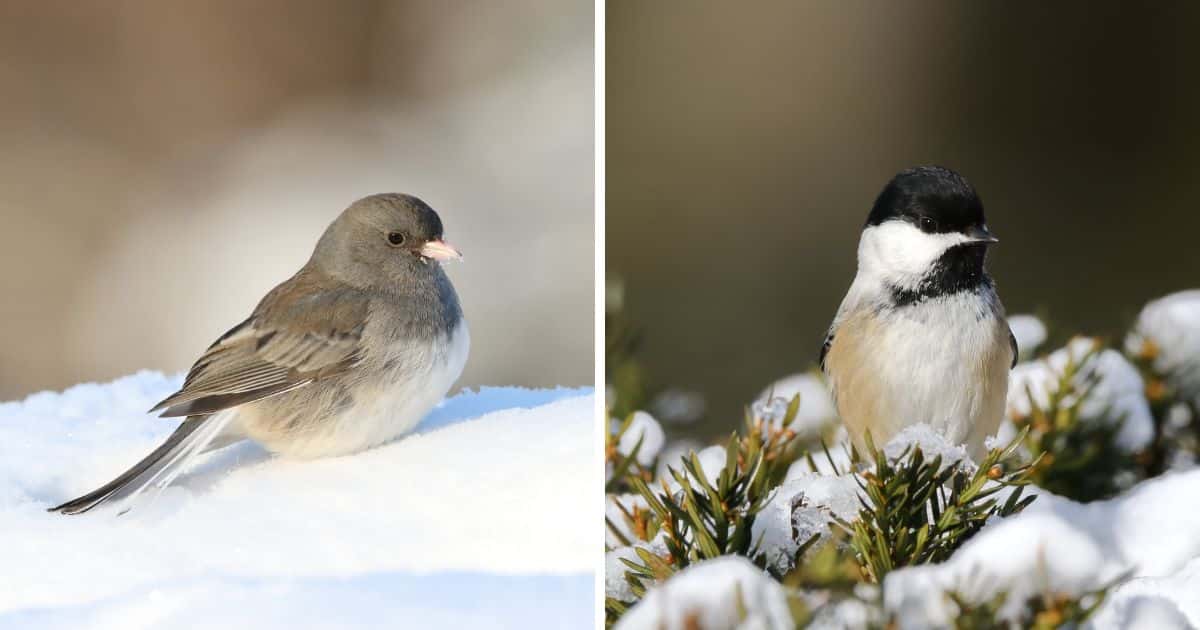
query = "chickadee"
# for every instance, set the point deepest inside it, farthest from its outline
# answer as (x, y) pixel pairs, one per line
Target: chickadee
(921, 335)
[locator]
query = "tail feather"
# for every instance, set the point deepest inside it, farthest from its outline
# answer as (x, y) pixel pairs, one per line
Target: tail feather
(161, 466)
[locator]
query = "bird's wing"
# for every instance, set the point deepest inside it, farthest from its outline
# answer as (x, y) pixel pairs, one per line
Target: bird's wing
(825, 348)
(1012, 341)
(299, 333)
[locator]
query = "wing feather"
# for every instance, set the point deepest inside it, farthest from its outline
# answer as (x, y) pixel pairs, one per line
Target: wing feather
(274, 351)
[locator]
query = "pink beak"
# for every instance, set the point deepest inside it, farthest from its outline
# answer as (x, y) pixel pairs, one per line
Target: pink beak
(440, 250)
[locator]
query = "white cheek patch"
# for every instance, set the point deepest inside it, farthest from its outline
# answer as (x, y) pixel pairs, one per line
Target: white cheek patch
(899, 253)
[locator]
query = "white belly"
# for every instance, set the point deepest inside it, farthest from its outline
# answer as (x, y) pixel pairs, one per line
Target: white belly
(397, 409)
(941, 364)
(384, 408)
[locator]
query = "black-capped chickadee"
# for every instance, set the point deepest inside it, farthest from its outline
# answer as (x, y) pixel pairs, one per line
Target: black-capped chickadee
(921, 334)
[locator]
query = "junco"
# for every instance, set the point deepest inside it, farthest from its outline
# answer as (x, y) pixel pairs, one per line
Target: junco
(921, 334)
(349, 353)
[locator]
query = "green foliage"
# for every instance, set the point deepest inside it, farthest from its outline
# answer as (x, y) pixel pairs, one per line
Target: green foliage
(917, 510)
(625, 468)
(914, 510)
(1046, 611)
(704, 519)
(698, 518)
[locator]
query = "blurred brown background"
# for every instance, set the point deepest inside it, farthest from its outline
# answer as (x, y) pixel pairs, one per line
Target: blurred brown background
(164, 164)
(746, 143)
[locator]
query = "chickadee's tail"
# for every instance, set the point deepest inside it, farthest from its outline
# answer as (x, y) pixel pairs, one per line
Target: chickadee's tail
(159, 468)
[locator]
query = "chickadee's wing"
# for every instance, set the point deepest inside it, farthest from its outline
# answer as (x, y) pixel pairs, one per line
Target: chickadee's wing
(1012, 341)
(825, 348)
(294, 338)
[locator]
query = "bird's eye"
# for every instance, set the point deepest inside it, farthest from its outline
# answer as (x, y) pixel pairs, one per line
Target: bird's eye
(396, 238)
(929, 225)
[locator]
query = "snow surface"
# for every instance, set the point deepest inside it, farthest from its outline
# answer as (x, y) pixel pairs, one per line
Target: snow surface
(645, 428)
(615, 585)
(712, 462)
(447, 526)
(1172, 325)
(616, 515)
(817, 409)
(708, 596)
(801, 507)
(1151, 533)
(1119, 392)
(933, 444)
(673, 453)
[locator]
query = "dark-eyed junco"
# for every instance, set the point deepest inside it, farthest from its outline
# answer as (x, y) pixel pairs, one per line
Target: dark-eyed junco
(921, 335)
(349, 353)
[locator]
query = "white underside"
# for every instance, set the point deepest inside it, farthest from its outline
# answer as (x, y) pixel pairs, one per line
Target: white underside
(398, 407)
(932, 363)
(385, 410)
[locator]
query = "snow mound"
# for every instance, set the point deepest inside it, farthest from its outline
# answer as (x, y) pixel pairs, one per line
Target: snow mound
(1070, 548)
(615, 506)
(932, 443)
(1168, 331)
(673, 454)
(708, 596)
(817, 410)
(1119, 391)
(615, 584)
(460, 502)
(1155, 603)
(802, 507)
(644, 428)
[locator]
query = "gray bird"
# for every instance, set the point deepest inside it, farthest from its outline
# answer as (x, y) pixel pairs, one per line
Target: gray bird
(349, 353)
(921, 335)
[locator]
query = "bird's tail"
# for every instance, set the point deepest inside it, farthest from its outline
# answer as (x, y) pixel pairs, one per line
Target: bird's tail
(159, 468)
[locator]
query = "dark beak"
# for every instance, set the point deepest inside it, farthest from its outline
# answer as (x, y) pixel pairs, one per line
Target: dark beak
(980, 234)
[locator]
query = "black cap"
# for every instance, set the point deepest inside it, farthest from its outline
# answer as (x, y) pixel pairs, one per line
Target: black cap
(934, 198)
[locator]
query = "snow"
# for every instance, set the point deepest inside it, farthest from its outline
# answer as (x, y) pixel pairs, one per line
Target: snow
(645, 428)
(799, 508)
(1119, 392)
(448, 525)
(673, 453)
(1146, 541)
(839, 451)
(1153, 603)
(807, 502)
(1149, 533)
(712, 461)
(615, 507)
(1171, 325)
(708, 596)
(1029, 332)
(615, 585)
(817, 409)
(380, 600)
(932, 444)
(849, 613)
(678, 406)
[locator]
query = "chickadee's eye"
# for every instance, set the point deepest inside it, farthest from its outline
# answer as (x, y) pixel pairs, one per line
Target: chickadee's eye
(929, 225)
(396, 238)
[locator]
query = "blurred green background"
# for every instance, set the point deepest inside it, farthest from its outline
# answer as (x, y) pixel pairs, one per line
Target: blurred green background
(746, 143)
